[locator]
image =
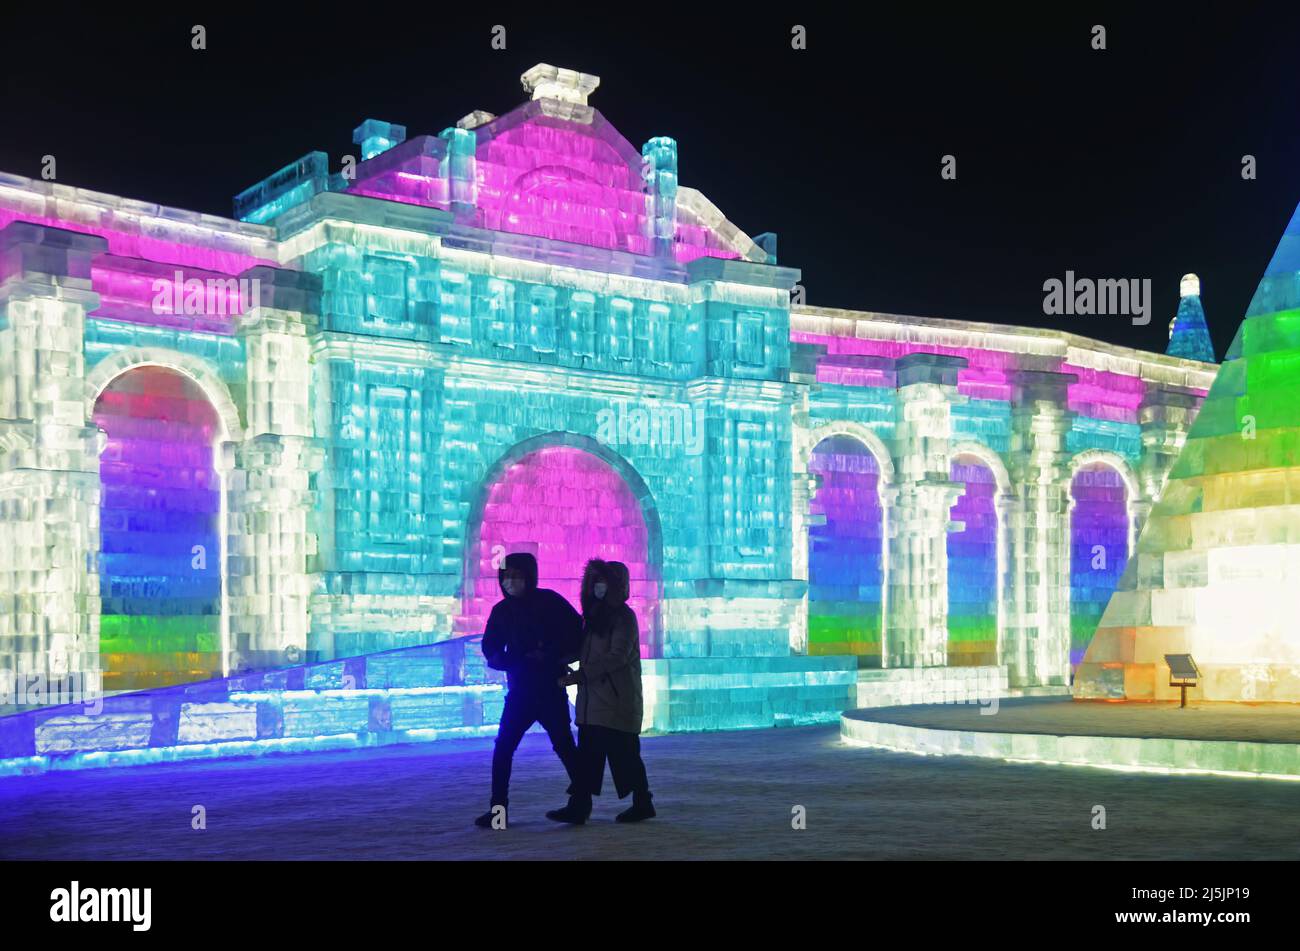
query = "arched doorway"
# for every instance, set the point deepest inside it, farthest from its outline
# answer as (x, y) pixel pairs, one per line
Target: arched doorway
(845, 551)
(160, 531)
(564, 505)
(973, 567)
(1099, 539)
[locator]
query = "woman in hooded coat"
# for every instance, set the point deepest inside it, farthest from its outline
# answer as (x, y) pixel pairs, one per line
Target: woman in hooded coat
(609, 707)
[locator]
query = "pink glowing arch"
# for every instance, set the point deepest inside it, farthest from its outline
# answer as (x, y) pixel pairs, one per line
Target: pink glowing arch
(564, 498)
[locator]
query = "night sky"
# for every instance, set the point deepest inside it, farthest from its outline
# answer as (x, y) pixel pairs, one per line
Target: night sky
(1124, 163)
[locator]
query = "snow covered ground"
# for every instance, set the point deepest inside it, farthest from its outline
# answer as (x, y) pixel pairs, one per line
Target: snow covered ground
(720, 795)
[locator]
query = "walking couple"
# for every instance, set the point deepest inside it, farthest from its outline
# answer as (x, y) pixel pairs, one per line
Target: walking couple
(534, 634)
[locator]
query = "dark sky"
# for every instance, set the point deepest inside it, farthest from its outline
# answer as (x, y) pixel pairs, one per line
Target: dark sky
(1116, 164)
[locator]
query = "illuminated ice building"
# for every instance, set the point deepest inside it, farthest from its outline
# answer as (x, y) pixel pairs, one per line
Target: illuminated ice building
(264, 469)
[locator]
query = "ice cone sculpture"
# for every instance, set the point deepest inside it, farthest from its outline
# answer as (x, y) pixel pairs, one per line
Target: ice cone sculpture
(1217, 569)
(1189, 335)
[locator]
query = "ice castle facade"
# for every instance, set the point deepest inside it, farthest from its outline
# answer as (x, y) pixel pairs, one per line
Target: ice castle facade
(311, 434)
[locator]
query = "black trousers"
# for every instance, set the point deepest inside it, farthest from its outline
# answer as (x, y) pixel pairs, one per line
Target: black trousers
(551, 710)
(596, 744)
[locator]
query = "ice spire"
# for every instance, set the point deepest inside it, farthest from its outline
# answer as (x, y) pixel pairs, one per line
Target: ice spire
(1189, 336)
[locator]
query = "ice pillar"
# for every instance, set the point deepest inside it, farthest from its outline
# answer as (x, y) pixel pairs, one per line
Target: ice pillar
(268, 477)
(917, 626)
(1037, 646)
(49, 466)
(659, 162)
(460, 170)
(1165, 415)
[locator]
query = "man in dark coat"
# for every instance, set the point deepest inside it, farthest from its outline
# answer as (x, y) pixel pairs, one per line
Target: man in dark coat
(532, 634)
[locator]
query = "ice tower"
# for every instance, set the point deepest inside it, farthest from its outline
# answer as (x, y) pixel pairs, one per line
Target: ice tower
(1217, 568)
(1189, 336)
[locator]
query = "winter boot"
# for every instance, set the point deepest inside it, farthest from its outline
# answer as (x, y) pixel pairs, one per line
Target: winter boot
(642, 808)
(576, 812)
(489, 819)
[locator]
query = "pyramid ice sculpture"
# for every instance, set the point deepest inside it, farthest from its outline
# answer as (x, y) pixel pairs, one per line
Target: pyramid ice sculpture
(1217, 569)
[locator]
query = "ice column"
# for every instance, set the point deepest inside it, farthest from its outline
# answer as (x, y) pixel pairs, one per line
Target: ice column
(659, 161)
(49, 462)
(460, 170)
(1165, 415)
(269, 492)
(917, 629)
(1036, 650)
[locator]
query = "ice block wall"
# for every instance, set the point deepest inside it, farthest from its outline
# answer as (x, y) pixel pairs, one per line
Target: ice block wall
(1028, 410)
(415, 695)
(845, 552)
(973, 568)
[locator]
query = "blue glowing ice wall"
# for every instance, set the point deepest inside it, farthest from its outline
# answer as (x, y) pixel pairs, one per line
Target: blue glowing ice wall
(845, 552)
(416, 695)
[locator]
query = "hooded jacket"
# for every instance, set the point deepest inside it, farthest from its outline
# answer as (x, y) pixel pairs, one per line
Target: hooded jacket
(609, 686)
(537, 620)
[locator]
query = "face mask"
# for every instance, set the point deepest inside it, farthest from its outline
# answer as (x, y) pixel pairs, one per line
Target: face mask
(513, 587)
(599, 589)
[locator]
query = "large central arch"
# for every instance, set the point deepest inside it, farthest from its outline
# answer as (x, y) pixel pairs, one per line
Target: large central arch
(565, 499)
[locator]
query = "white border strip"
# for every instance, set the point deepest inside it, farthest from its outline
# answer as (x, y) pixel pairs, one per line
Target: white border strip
(1239, 759)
